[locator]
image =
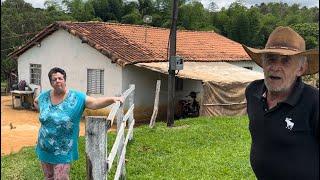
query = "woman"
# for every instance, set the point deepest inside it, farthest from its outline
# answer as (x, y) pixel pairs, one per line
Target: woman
(60, 112)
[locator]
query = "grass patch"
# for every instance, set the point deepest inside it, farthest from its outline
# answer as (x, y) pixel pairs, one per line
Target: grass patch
(199, 148)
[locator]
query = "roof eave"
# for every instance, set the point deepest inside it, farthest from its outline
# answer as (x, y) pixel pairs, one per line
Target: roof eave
(52, 28)
(34, 41)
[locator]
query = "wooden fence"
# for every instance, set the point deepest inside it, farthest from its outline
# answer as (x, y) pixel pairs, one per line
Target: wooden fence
(99, 162)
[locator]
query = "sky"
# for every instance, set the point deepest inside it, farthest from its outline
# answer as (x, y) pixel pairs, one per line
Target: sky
(220, 3)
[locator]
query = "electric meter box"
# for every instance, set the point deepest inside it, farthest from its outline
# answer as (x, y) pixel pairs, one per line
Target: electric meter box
(176, 63)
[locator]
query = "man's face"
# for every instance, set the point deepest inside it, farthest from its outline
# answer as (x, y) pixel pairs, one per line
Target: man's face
(58, 82)
(280, 72)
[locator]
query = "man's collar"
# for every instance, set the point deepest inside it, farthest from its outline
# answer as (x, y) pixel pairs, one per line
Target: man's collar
(261, 89)
(296, 92)
(292, 99)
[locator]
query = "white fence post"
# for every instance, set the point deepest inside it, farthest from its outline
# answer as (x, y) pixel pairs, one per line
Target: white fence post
(119, 122)
(131, 102)
(155, 106)
(96, 129)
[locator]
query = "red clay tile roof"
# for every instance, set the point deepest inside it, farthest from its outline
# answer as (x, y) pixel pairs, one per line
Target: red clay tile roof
(128, 44)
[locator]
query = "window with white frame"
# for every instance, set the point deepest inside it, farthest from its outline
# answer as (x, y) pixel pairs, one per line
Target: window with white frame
(95, 81)
(35, 74)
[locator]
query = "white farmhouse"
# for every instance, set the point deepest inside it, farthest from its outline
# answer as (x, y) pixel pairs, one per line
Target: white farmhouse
(102, 59)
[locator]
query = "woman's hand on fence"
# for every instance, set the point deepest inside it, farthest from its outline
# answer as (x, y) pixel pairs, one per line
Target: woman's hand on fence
(121, 99)
(101, 102)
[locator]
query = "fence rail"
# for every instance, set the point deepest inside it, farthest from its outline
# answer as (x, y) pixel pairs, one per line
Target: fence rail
(99, 162)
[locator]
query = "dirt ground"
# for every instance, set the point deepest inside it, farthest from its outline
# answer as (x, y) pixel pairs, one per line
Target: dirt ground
(19, 128)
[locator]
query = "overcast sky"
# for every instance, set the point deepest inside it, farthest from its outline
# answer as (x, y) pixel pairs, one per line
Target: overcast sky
(220, 3)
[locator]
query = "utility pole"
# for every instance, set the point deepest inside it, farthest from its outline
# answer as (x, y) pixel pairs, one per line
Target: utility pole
(171, 71)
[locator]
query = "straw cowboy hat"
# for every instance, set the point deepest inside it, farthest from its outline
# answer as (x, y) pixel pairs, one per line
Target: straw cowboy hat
(285, 41)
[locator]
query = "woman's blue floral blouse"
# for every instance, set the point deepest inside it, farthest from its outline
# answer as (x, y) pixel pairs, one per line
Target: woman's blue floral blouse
(59, 131)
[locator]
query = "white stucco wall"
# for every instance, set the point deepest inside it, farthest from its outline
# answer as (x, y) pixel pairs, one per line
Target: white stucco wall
(66, 51)
(145, 82)
(252, 64)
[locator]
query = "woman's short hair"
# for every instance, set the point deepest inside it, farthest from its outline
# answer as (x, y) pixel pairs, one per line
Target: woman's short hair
(57, 70)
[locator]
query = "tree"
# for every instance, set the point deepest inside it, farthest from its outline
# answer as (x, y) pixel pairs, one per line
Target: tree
(254, 27)
(133, 18)
(213, 7)
(52, 5)
(115, 10)
(145, 7)
(163, 9)
(310, 33)
(79, 10)
(268, 24)
(220, 20)
(238, 28)
(193, 16)
(19, 23)
(100, 8)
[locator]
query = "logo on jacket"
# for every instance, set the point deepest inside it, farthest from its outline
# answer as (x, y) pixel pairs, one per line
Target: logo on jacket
(289, 123)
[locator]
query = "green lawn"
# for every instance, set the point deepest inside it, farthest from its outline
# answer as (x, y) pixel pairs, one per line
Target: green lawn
(199, 148)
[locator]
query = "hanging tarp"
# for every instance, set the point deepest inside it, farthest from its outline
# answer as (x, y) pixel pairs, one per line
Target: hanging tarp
(223, 100)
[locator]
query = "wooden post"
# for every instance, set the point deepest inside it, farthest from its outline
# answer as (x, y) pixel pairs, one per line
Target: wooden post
(155, 106)
(96, 129)
(171, 76)
(131, 102)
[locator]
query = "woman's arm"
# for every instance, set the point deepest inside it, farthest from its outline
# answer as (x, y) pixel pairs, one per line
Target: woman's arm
(101, 102)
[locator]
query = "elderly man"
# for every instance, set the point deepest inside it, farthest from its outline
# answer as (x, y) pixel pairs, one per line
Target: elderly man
(283, 111)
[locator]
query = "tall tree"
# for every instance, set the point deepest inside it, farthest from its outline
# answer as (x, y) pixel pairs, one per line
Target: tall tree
(238, 27)
(254, 17)
(100, 8)
(19, 22)
(310, 32)
(80, 10)
(115, 10)
(146, 7)
(193, 16)
(213, 7)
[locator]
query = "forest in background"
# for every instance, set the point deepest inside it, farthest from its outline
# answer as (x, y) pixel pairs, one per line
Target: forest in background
(251, 26)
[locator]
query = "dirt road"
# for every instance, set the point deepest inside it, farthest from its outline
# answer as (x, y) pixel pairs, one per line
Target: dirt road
(19, 128)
